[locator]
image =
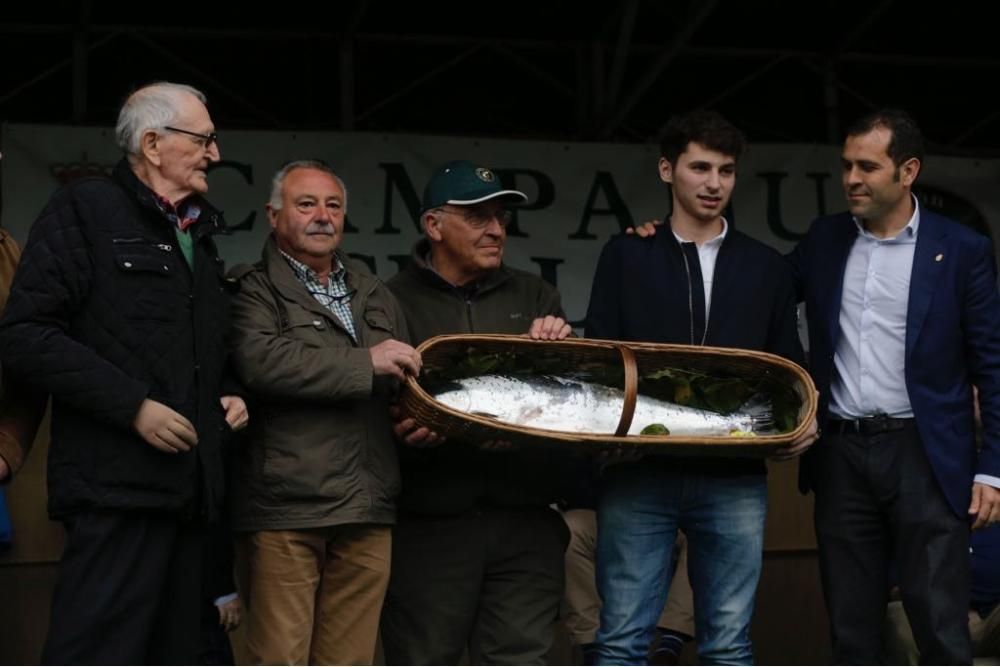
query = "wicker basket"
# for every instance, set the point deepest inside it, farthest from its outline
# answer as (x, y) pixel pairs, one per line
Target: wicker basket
(636, 359)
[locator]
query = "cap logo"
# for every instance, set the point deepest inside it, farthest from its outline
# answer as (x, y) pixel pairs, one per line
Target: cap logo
(485, 175)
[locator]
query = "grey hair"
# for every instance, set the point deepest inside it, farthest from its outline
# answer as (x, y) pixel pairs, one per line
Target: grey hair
(278, 182)
(149, 108)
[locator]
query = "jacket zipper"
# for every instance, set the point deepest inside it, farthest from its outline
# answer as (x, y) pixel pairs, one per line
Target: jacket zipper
(687, 270)
(165, 247)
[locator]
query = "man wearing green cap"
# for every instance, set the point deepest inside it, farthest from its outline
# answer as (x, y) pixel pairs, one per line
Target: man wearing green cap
(477, 559)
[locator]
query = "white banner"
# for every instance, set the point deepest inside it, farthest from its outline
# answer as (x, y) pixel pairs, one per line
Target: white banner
(579, 193)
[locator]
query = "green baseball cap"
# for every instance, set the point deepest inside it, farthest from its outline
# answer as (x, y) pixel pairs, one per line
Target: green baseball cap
(462, 183)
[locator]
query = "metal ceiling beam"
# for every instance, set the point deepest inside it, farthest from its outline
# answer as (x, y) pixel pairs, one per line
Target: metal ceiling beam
(583, 91)
(46, 73)
(561, 46)
(622, 49)
(646, 81)
(534, 69)
(831, 101)
(200, 73)
(345, 62)
(861, 97)
(862, 27)
(736, 87)
(972, 129)
(416, 83)
(80, 51)
(598, 80)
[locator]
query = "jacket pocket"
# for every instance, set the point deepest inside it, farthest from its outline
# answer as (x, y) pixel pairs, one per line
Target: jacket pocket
(378, 320)
(136, 253)
(307, 327)
(145, 282)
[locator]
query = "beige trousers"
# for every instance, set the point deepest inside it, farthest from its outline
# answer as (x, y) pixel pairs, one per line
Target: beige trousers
(315, 596)
(901, 647)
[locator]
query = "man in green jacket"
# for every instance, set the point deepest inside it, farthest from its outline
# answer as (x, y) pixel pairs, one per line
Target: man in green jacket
(477, 552)
(318, 341)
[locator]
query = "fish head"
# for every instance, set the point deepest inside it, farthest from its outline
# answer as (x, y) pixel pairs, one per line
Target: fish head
(455, 396)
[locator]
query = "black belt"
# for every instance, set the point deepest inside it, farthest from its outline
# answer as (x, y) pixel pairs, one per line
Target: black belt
(867, 425)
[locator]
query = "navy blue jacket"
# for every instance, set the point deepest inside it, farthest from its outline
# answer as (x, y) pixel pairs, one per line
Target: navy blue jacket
(641, 293)
(952, 339)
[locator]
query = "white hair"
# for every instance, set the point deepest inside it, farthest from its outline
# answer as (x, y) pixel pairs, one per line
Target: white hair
(278, 182)
(151, 107)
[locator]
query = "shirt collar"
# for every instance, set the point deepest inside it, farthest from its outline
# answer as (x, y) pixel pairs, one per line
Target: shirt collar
(717, 241)
(908, 232)
(184, 214)
(305, 273)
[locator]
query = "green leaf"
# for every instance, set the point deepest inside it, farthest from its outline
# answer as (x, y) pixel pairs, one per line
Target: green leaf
(655, 429)
(725, 396)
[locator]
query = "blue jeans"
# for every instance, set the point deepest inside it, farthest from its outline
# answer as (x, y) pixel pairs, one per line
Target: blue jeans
(641, 508)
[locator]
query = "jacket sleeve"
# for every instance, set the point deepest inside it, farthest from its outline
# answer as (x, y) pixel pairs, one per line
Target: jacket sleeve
(796, 262)
(275, 364)
(50, 287)
(603, 316)
(981, 323)
(783, 329)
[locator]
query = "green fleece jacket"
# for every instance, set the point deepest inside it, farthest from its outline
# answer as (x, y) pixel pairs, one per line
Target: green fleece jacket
(456, 477)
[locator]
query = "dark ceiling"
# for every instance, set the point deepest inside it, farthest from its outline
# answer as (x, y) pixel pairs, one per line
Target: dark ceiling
(784, 71)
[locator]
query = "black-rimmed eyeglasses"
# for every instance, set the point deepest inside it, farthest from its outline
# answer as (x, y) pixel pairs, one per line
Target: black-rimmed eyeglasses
(206, 140)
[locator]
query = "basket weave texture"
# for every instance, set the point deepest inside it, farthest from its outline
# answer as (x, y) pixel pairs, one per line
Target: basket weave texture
(444, 352)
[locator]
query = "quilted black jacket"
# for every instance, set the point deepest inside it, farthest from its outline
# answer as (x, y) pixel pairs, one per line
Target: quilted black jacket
(105, 312)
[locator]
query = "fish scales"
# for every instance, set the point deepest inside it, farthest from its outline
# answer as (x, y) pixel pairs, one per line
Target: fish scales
(566, 404)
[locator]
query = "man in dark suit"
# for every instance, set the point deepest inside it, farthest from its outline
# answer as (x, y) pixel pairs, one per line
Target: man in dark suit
(904, 318)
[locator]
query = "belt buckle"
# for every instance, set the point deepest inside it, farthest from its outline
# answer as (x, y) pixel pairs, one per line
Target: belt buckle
(878, 424)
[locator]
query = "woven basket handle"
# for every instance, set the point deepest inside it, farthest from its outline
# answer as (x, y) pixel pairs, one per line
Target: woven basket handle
(631, 390)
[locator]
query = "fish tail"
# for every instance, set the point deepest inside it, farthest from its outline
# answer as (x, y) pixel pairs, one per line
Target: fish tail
(759, 412)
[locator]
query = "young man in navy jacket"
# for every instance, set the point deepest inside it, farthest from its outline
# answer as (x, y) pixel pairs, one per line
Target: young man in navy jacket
(700, 283)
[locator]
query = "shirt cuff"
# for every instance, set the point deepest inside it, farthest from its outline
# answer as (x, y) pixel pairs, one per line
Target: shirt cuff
(232, 596)
(988, 480)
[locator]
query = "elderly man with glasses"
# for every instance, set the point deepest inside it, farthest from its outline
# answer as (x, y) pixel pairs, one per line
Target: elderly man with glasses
(119, 310)
(477, 552)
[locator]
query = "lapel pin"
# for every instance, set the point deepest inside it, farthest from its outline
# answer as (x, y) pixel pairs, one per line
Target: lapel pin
(939, 257)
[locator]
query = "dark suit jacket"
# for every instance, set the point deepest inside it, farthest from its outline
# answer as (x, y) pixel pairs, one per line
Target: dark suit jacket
(952, 339)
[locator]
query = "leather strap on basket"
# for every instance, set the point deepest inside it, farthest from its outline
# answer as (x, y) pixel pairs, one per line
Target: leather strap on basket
(631, 390)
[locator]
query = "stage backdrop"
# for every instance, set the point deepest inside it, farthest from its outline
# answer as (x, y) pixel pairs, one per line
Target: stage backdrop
(579, 193)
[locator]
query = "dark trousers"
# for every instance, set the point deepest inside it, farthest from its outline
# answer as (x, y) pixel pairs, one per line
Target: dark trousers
(877, 502)
(128, 591)
(489, 580)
